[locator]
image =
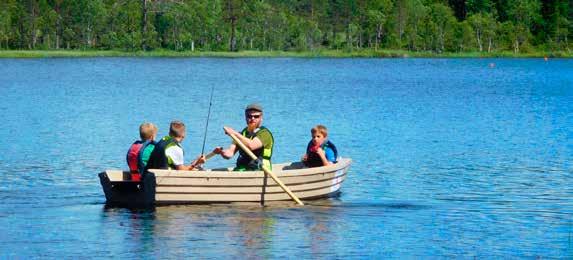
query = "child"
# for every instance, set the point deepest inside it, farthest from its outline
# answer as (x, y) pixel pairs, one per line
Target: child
(168, 152)
(139, 152)
(320, 151)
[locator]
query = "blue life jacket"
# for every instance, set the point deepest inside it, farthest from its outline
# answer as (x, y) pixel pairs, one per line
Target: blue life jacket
(140, 163)
(313, 160)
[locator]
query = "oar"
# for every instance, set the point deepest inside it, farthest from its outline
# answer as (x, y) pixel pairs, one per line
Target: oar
(209, 155)
(266, 170)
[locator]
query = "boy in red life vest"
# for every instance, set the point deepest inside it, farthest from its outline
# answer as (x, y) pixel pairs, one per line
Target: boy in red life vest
(139, 152)
(319, 151)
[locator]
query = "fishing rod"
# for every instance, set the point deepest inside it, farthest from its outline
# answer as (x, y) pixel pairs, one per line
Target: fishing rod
(207, 124)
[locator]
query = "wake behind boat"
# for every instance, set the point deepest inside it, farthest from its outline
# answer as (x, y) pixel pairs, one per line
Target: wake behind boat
(161, 187)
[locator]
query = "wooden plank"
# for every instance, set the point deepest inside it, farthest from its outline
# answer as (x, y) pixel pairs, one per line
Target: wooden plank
(253, 181)
(166, 198)
(118, 175)
(249, 189)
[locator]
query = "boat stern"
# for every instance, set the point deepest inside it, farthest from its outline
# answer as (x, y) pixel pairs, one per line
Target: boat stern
(120, 190)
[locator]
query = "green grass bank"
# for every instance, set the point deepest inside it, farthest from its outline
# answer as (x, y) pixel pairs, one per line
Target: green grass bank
(270, 54)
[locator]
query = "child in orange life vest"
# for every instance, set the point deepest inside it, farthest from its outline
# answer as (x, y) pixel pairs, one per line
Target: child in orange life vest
(139, 152)
(319, 151)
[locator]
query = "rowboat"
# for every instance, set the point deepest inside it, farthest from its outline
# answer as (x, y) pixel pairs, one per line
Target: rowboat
(222, 185)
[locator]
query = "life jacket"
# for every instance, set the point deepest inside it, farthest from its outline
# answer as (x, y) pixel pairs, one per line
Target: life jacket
(134, 159)
(158, 159)
(244, 162)
(313, 160)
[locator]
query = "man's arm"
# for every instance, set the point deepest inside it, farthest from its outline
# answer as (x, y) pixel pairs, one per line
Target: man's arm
(253, 144)
(192, 166)
(226, 153)
(176, 155)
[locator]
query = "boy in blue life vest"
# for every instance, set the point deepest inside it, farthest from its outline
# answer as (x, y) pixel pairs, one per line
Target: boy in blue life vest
(139, 152)
(319, 151)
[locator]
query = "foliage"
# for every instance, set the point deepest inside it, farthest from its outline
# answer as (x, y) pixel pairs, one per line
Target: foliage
(435, 26)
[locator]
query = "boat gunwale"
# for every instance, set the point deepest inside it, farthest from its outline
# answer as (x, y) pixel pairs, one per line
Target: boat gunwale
(228, 174)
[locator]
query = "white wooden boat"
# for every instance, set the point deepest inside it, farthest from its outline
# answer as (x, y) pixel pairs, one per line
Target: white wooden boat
(223, 185)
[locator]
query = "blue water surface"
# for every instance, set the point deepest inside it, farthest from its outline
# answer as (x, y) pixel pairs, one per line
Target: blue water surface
(452, 157)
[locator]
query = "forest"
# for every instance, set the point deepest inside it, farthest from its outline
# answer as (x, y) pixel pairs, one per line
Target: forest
(436, 26)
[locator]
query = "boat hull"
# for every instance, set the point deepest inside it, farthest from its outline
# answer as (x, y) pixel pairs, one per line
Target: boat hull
(159, 187)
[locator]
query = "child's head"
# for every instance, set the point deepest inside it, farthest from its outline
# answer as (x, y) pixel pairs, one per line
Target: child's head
(177, 129)
(318, 134)
(147, 131)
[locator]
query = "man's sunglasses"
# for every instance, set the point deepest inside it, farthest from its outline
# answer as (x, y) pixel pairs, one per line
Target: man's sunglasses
(252, 116)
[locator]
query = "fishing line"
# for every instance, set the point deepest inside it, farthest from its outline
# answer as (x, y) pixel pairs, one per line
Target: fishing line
(208, 115)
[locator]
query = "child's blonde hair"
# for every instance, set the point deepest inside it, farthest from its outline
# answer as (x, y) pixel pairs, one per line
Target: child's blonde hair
(147, 131)
(177, 129)
(319, 129)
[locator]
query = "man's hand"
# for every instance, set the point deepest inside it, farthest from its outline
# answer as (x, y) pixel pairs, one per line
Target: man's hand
(218, 150)
(230, 131)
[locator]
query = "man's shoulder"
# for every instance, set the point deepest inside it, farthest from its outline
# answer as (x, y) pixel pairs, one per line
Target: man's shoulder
(264, 130)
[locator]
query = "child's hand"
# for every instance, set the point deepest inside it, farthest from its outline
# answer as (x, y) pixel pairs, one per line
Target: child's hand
(200, 160)
(320, 152)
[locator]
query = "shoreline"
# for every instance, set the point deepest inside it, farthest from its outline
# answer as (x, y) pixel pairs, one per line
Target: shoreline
(273, 54)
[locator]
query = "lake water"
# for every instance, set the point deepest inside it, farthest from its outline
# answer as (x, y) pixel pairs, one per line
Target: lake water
(452, 157)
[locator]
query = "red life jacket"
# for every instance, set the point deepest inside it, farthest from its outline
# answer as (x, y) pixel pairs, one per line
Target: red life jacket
(133, 160)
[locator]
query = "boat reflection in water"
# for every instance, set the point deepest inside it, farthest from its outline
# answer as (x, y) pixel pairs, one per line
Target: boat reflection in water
(234, 229)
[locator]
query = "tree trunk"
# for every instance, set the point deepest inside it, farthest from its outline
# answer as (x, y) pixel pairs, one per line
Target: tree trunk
(348, 44)
(144, 25)
(516, 46)
(401, 20)
(232, 39)
(333, 35)
(478, 37)
(89, 36)
(233, 19)
(58, 24)
(442, 47)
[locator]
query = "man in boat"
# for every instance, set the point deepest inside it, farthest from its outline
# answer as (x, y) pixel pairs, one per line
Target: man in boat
(168, 153)
(256, 137)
